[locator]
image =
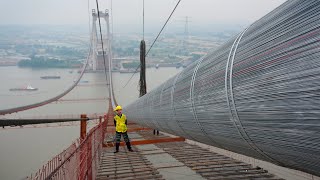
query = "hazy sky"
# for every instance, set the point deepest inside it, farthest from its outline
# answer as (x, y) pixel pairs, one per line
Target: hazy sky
(129, 12)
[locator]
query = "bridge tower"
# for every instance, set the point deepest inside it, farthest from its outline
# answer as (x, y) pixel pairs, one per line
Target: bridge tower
(96, 60)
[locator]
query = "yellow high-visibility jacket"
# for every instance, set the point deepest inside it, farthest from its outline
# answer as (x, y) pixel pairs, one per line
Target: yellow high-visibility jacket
(121, 123)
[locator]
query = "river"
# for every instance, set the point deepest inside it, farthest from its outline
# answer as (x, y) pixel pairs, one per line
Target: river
(25, 150)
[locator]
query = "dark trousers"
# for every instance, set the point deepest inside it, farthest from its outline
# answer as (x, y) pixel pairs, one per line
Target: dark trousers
(125, 137)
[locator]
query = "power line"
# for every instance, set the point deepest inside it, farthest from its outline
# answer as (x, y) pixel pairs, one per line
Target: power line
(154, 39)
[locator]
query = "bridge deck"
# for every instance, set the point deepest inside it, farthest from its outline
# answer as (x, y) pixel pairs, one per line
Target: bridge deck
(172, 160)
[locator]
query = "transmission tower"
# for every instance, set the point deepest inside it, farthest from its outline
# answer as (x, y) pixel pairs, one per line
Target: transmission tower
(186, 34)
(185, 39)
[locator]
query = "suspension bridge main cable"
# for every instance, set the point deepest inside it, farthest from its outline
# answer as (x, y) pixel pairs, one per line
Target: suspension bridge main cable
(103, 54)
(154, 41)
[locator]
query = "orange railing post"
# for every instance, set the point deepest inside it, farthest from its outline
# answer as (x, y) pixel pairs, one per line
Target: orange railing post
(105, 121)
(89, 158)
(83, 126)
(83, 133)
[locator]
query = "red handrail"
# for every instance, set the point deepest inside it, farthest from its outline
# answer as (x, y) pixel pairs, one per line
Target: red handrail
(79, 161)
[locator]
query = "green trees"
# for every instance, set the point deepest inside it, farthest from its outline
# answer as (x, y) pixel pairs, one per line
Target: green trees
(129, 65)
(44, 62)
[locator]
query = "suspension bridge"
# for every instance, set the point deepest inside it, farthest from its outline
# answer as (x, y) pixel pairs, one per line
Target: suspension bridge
(248, 110)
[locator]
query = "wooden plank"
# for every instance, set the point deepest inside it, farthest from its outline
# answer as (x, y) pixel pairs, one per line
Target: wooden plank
(120, 176)
(236, 177)
(127, 171)
(228, 169)
(111, 169)
(220, 165)
(233, 173)
(124, 165)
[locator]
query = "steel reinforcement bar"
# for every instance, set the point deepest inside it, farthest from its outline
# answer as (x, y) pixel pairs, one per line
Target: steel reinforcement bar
(258, 94)
(22, 122)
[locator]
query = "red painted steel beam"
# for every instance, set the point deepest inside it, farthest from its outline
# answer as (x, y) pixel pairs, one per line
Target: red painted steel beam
(147, 141)
(113, 129)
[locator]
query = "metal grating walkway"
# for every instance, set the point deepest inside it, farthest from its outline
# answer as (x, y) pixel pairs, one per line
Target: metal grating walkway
(126, 165)
(212, 165)
(173, 160)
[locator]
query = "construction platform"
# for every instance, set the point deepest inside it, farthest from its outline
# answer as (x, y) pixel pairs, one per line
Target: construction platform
(166, 157)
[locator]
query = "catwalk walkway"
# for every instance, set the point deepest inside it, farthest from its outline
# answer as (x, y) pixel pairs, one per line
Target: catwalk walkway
(170, 160)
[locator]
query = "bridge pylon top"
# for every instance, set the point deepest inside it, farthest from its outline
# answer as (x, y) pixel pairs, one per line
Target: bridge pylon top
(102, 14)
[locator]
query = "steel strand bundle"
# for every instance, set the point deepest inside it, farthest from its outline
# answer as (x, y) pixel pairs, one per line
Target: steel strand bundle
(258, 94)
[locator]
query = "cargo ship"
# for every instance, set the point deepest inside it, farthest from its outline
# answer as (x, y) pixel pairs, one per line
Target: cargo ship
(131, 70)
(28, 88)
(50, 77)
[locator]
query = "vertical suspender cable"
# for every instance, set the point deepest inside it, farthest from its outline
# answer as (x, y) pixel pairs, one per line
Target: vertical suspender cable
(154, 40)
(143, 19)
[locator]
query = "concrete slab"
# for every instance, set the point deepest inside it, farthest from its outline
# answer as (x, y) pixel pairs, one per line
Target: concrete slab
(179, 173)
(134, 135)
(147, 147)
(169, 167)
(160, 151)
(162, 160)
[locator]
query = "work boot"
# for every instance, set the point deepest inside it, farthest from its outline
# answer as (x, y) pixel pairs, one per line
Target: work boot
(117, 147)
(129, 146)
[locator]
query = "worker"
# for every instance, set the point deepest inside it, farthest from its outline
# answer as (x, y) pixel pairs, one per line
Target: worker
(120, 122)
